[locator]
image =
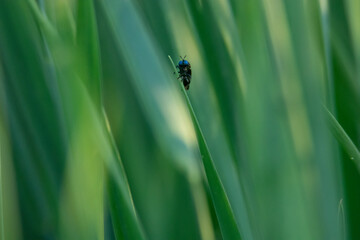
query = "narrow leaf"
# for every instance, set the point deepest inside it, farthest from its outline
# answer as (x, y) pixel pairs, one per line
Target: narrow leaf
(223, 209)
(342, 137)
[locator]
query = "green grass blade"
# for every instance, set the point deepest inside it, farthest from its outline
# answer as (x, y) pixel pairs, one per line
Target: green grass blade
(2, 229)
(223, 209)
(347, 90)
(146, 88)
(33, 141)
(9, 214)
(10, 227)
(230, 90)
(125, 221)
(325, 29)
(341, 219)
(353, 8)
(343, 139)
(84, 71)
(88, 45)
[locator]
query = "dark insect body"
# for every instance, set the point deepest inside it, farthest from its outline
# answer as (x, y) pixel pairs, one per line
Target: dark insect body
(184, 72)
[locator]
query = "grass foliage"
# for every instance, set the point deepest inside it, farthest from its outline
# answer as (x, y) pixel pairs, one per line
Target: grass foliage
(99, 140)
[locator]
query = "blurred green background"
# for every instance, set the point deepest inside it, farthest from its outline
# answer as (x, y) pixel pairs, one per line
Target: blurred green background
(97, 141)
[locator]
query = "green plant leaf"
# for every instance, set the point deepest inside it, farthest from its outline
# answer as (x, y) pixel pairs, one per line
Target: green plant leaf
(343, 139)
(223, 209)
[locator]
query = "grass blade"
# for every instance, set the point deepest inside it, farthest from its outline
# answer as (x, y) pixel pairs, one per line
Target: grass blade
(125, 221)
(342, 137)
(85, 72)
(88, 44)
(223, 209)
(2, 229)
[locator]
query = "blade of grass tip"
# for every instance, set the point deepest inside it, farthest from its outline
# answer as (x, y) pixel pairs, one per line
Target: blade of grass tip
(223, 209)
(341, 218)
(342, 137)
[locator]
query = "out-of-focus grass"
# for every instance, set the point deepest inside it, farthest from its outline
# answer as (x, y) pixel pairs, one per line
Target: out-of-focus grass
(96, 141)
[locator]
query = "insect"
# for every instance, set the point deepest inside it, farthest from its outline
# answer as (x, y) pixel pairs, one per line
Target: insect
(184, 72)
